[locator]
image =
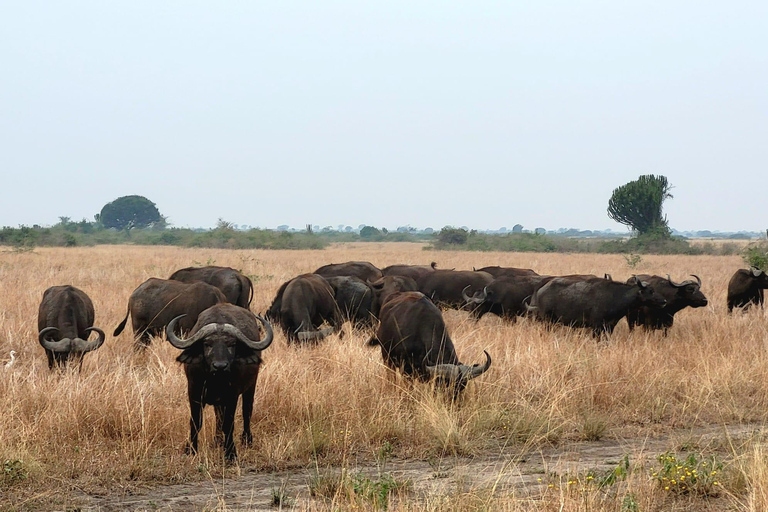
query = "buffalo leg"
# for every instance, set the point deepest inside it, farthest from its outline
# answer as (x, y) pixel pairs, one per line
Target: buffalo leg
(248, 397)
(195, 424)
(219, 410)
(228, 424)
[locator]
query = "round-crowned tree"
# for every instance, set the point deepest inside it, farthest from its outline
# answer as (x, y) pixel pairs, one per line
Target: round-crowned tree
(129, 212)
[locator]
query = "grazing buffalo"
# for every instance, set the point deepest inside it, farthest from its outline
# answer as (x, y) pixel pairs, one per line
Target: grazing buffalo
(361, 269)
(498, 272)
(595, 303)
(221, 360)
(746, 288)
(354, 298)
(158, 301)
(64, 322)
(413, 338)
(677, 295)
(415, 272)
(505, 296)
(236, 287)
(389, 285)
(302, 305)
(447, 287)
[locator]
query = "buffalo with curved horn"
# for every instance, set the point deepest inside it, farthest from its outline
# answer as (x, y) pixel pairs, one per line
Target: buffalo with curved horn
(592, 302)
(678, 296)
(221, 360)
(65, 321)
(413, 339)
(746, 288)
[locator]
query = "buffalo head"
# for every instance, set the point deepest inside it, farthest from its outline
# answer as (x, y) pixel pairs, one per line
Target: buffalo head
(457, 376)
(219, 342)
(648, 295)
(691, 290)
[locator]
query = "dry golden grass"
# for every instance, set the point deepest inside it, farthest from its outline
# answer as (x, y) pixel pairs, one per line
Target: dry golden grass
(122, 422)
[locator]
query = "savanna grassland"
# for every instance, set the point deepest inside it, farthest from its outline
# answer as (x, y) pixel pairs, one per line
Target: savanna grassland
(119, 426)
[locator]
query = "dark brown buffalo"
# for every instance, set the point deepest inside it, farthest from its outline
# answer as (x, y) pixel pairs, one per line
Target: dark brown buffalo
(415, 272)
(221, 360)
(413, 339)
(498, 272)
(386, 286)
(64, 322)
(746, 288)
(158, 301)
(360, 269)
(596, 303)
(355, 299)
(678, 296)
(236, 287)
(508, 297)
(302, 305)
(447, 287)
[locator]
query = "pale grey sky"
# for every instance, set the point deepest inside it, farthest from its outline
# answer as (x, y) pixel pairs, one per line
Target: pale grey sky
(483, 114)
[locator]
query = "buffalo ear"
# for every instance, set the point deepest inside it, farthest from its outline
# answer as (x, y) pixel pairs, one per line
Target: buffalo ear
(250, 359)
(192, 355)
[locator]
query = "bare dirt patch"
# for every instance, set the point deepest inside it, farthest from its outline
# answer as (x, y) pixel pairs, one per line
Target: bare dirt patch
(511, 471)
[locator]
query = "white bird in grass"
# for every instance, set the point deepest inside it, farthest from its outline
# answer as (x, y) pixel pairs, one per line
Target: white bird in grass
(13, 358)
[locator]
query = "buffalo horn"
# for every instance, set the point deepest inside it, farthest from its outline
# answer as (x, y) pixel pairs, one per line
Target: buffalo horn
(676, 285)
(61, 345)
(756, 271)
(459, 372)
(698, 279)
(476, 370)
(314, 335)
(79, 345)
(255, 345)
(185, 344)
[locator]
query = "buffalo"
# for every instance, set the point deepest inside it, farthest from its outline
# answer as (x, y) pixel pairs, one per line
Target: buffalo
(302, 305)
(677, 295)
(596, 303)
(221, 359)
(360, 269)
(155, 302)
(386, 286)
(499, 272)
(447, 287)
(64, 322)
(746, 288)
(236, 287)
(415, 272)
(413, 339)
(505, 296)
(354, 298)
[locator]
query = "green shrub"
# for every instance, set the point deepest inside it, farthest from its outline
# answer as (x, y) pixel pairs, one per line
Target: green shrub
(756, 255)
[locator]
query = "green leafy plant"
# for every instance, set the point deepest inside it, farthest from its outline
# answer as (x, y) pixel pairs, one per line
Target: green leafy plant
(281, 498)
(633, 260)
(14, 471)
(693, 474)
(756, 255)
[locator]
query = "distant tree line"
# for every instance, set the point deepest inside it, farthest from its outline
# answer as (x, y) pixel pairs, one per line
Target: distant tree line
(137, 220)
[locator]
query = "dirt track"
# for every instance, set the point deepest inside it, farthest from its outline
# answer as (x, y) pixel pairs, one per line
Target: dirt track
(508, 471)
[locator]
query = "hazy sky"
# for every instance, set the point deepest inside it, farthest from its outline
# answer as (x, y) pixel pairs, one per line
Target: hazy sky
(483, 114)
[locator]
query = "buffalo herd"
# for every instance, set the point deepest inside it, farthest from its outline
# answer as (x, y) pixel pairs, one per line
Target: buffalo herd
(401, 305)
